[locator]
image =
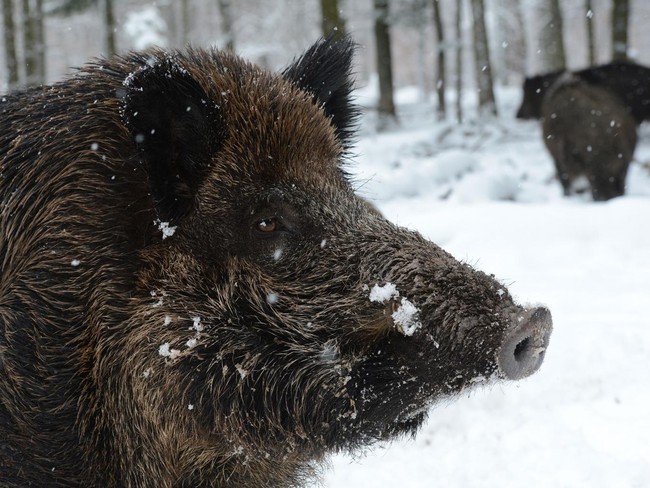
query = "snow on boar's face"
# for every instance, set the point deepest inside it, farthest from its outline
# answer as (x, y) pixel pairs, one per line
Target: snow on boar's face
(285, 317)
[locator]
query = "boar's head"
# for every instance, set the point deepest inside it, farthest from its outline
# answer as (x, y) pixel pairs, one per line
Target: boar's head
(534, 90)
(278, 317)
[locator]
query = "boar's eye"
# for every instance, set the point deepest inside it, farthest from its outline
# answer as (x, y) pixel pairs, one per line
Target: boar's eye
(267, 225)
(272, 222)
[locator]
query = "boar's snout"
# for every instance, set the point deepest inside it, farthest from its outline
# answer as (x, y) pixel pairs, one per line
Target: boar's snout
(524, 347)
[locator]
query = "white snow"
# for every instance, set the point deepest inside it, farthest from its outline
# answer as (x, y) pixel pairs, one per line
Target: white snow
(486, 192)
(146, 28)
(329, 352)
(243, 372)
(163, 350)
(277, 254)
(166, 351)
(383, 293)
(197, 325)
(166, 229)
(405, 317)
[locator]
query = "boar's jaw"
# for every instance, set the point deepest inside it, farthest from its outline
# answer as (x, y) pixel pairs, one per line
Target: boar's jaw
(469, 332)
(401, 364)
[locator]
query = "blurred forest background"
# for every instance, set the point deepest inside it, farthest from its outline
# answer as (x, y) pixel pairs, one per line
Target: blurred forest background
(444, 47)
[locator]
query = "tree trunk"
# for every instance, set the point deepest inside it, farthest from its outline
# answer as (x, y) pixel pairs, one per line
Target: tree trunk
(441, 73)
(333, 24)
(11, 58)
(591, 43)
(486, 100)
(509, 60)
(423, 53)
(109, 26)
(620, 16)
(225, 10)
(551, 41)
(386, 105)
(185, 21)
(39, 38)
(459, 60)
(30, 40)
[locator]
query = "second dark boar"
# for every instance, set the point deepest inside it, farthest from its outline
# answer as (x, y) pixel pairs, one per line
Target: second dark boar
(589, 133)
(627, 80)
(193, 296)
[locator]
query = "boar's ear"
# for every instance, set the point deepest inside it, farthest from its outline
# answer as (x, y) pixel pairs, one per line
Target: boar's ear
(177, 129)
(324, 71)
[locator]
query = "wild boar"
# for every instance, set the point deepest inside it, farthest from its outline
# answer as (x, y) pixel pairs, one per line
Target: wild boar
(627, 80)
(193, 296)
(589, 133)
(534, 90)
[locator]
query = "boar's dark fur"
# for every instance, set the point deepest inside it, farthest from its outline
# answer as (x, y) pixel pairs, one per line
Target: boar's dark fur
(187, 274)
(589, 133)
(627, 80)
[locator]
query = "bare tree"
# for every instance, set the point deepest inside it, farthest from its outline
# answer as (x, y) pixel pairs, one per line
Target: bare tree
(33, 42)
(551, 38)
(484, 80)
(459, 60)
(386, 105)
(107, 9)
(509, 59)
(620, 17)
(591, 43)
(39, 37)
(185, 21)
(11, 57)
(225, 10)
(109, 26)
(441, 72)
(333, 23)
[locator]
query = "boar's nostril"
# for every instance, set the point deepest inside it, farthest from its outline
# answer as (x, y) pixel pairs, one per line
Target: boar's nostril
(521, 350)
(524, 347)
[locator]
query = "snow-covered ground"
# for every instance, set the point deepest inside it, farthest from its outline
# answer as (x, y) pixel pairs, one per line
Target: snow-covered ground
(486, 193)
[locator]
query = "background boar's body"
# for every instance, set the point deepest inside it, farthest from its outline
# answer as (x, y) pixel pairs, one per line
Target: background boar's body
(589, 133)
(193, 296)
(630, 82)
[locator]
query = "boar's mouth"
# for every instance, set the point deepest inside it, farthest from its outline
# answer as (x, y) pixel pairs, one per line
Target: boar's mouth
(524, 347)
